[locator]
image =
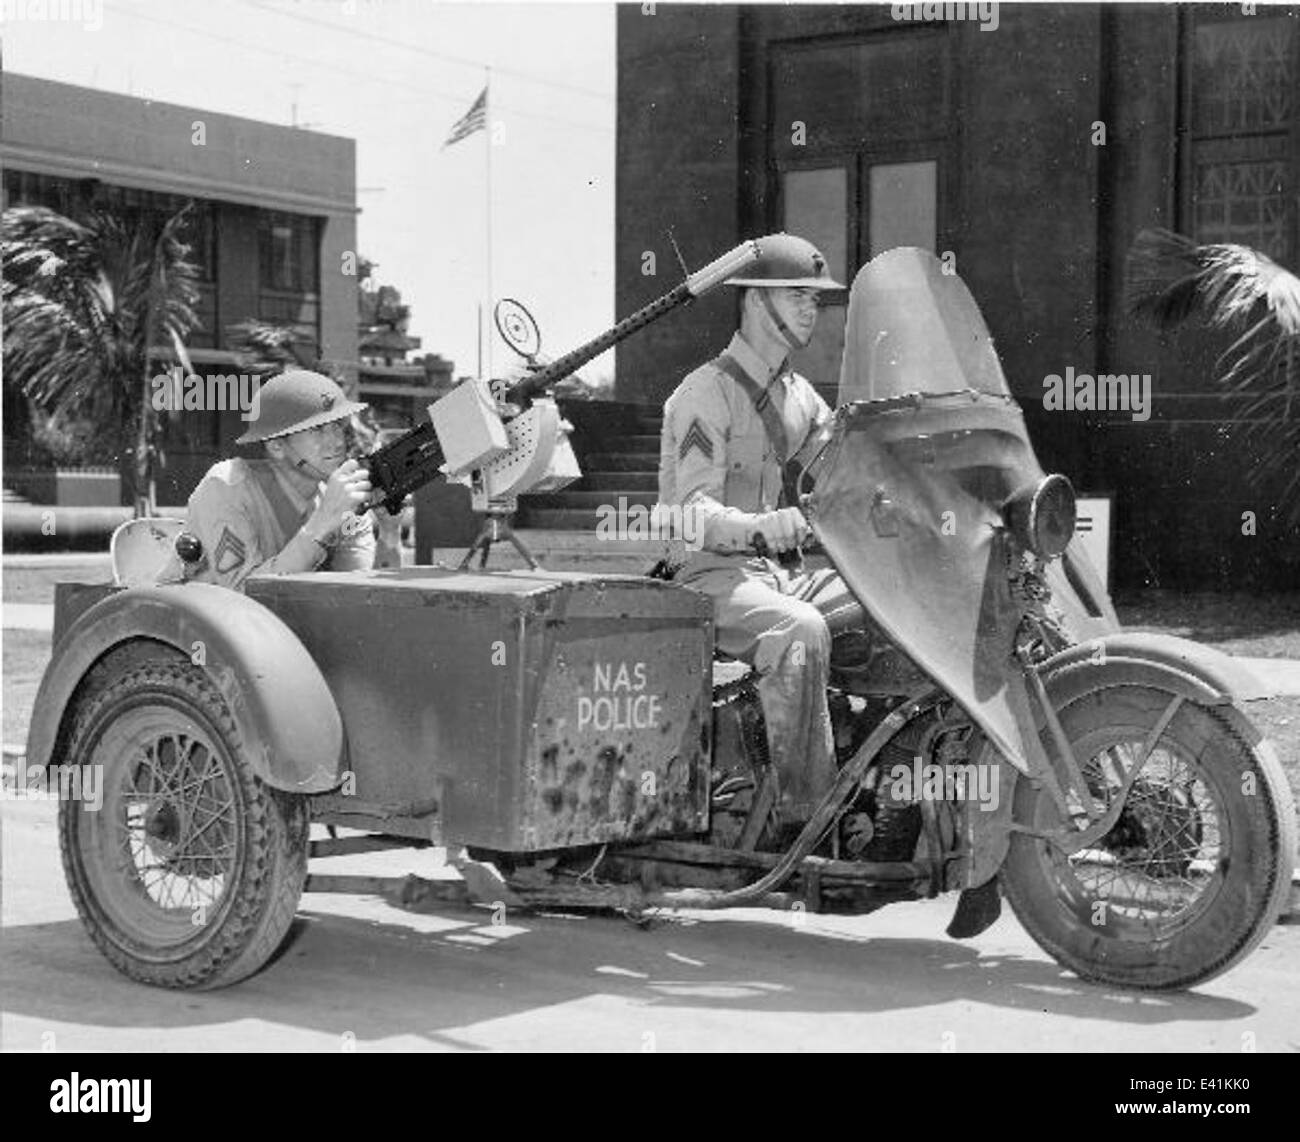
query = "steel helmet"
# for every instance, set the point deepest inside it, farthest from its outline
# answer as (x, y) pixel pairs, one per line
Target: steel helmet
(296, 400)
(785, 260)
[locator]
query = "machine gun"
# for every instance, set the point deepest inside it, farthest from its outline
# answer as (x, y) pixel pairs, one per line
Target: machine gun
(522, 443)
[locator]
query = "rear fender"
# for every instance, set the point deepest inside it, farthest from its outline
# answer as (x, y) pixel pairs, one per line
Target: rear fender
(277, 695)
(1175, 665)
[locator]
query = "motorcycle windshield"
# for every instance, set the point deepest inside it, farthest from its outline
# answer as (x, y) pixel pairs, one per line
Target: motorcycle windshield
(912, 328)
(910, 489)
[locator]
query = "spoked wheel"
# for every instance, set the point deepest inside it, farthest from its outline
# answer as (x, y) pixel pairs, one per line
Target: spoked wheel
(1194, 871)
(189, 873)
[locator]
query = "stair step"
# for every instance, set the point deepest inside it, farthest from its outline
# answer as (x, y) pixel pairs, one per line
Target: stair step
(645, 411)
(645, 444)
(621, 462)
(590, 501)
(616, 482)
(552, 519)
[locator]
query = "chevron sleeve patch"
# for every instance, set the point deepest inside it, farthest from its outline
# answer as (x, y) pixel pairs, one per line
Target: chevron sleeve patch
(230, 553)
(696, 436)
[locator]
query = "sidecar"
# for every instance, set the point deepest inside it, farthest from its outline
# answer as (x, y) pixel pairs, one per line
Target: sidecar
(514, 712)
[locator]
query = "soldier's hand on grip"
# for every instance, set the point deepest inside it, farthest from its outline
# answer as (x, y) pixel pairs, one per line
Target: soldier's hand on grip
(784, 529)
(348, 486)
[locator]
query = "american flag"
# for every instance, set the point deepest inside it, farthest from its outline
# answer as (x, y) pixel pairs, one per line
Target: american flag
(475, 119)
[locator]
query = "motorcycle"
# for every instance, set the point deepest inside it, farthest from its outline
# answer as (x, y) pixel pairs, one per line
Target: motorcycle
(997, 732)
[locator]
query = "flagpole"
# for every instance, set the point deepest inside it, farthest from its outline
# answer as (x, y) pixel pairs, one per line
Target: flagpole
(487, 123)
(475, 119)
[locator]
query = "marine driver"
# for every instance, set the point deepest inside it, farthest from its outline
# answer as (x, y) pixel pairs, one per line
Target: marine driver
(720, 462)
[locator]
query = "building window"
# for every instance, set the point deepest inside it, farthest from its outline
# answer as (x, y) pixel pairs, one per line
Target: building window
(24, 188)
(858, 138)
(903, 205)
(201, 234)
(287, 248)
(816, 206)
(1244, 180)
(1245, 79)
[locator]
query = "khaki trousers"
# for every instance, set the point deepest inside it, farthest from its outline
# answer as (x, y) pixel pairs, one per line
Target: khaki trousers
(776, 622)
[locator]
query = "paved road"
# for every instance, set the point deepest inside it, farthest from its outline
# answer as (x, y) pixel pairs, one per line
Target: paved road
(747, 980)
(27, 616)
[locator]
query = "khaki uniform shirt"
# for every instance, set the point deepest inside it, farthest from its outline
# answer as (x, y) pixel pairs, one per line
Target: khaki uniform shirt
(245, 514)
(715, 456)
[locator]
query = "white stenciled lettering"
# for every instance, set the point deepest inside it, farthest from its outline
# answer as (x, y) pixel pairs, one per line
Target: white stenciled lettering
(622, 712)
(610, 679)
(619, 701)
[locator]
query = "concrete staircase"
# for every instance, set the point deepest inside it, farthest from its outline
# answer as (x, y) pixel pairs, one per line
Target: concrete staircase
(622, 464)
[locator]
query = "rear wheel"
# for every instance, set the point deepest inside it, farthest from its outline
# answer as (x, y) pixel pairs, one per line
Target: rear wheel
(189, 872)
(1197, 866)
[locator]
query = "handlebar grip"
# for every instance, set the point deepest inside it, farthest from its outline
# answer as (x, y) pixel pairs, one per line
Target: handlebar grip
(787, 558)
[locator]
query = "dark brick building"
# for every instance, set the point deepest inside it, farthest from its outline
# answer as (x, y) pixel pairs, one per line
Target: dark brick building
(275, 214)
(1033, 151)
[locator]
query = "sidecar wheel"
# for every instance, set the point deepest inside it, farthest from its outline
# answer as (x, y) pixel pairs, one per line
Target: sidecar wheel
(1197, 867)
(189, 872)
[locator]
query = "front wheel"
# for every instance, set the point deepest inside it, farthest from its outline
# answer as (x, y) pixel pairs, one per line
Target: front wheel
(188, 872)
(1196, 868)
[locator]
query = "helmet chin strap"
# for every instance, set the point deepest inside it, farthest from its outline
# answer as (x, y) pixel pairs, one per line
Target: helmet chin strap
(302, 464)
(787, 334)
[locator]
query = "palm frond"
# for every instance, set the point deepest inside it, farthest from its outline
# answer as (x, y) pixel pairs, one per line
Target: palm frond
(1170, 279)
(266, 347)
(1162, 278)
(84, 302)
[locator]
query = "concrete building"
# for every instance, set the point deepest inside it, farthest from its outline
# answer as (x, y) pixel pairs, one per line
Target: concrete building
(1033, 152)
(274, 232)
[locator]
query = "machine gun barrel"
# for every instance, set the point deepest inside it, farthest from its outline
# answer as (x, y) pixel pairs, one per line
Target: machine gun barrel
(415, 459)
(696, 284)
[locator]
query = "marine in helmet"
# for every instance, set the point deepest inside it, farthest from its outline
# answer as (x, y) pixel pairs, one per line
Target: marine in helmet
(727, 429)
(292, 508)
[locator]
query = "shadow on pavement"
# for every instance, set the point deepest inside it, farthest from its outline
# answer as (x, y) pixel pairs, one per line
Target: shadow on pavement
(379, 979)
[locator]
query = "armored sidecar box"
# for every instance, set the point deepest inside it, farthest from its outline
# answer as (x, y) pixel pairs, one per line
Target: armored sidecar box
(515, 711)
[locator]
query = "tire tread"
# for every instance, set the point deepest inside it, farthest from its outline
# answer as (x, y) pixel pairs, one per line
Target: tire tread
(271, 883)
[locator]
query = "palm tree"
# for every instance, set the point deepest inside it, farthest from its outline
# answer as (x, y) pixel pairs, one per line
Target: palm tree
(84, 302)
(266, 348)
(1236, 289)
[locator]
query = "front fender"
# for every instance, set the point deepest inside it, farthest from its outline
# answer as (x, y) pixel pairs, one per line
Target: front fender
(1178, 665)
(276, 693)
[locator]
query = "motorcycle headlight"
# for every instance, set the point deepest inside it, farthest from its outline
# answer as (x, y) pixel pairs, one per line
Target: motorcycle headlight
(1041, 516)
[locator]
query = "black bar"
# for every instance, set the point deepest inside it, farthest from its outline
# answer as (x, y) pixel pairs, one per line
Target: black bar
(571, 362)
